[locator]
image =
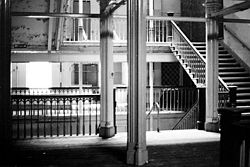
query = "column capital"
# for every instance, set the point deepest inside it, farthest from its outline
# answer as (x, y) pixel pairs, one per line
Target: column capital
(212, 6)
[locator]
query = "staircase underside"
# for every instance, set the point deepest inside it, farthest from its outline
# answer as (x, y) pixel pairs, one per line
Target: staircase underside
(232, 73)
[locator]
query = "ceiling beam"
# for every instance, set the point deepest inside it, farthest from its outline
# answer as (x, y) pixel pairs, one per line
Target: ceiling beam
(228, 20)
(50, 26)
(232, 9)
(54, 15)
(176, 18)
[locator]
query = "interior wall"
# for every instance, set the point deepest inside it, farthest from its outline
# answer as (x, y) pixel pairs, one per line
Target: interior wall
(30, 31)
(193, 8)
(242, 31)
(170, 6)
(18, 74)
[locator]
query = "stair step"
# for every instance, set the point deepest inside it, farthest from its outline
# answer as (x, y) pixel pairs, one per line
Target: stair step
(243, 102)
(239, 84)
(229, 65)
(201, 47)
(199, 43)
(227, 60)
(232, 74)
(243, 95)
(225, 56)
(231, 69)
(245, 107)
(243, 90)
(231, 79)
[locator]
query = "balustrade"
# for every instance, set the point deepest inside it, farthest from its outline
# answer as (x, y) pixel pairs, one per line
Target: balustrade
(157, 31)
(54, 115)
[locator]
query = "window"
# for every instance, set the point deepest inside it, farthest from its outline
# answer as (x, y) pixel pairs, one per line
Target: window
(75, 75)
(90, 74)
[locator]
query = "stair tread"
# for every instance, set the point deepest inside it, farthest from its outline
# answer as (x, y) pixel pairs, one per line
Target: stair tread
(244, 72)
(238, 83)
(231, 68)
(243, 94)
(236, 78)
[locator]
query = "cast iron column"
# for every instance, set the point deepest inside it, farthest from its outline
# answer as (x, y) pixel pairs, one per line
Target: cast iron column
(5, 54)
(212, 84)
(107, 75)
(137, 153)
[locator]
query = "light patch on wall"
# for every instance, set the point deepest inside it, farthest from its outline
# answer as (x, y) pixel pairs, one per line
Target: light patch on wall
(39, 75)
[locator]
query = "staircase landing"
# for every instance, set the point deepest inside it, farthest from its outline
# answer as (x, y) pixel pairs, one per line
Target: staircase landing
(167, 148)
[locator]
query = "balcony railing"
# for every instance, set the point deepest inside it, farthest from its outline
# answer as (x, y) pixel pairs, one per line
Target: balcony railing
(157, 31)
(54, 115)
(71, 112)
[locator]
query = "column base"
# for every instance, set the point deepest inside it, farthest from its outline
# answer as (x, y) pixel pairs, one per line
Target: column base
(212, 126)
(107, 132)
(136, 156)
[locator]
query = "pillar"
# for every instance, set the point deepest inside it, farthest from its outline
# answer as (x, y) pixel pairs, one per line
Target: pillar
(212, 85)
(137, 153)
(107, 75)
(151, 64)
(5, 50)
(151, 23)
(80, 21)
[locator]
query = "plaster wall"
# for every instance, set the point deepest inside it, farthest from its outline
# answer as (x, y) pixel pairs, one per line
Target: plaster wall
(242, 31)
(31, 31)
(18, 75)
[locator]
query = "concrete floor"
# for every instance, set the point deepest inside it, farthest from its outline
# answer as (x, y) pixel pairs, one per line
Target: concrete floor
(180, 148)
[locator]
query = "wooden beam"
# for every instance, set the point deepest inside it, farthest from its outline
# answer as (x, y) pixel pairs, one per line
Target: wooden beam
(50, 26)
(54, 15)
(232, 9)
(228, 20)
(176, 18)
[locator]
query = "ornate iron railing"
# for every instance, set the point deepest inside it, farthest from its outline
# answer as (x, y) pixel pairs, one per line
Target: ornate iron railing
(54, 115)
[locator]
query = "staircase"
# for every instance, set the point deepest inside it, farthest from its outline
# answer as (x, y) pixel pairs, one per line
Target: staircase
(232, 73)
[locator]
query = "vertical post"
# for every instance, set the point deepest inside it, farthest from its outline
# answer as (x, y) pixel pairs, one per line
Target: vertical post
(137, 153)
(80, 22)
(232, 96)
(107, 75)
(5, 49)
(212, 67)
(151, 84)
(151, 23)
(151, 64)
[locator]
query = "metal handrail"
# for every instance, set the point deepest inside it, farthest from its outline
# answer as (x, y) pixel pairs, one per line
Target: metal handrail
(188, 41)
(157, 106)
(187, 114)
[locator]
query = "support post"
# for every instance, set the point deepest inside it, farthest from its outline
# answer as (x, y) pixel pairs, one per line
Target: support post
(5, 112)
(212, 84)
(137, 153)
(151, 84)
(107, 75)
(151, 23)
